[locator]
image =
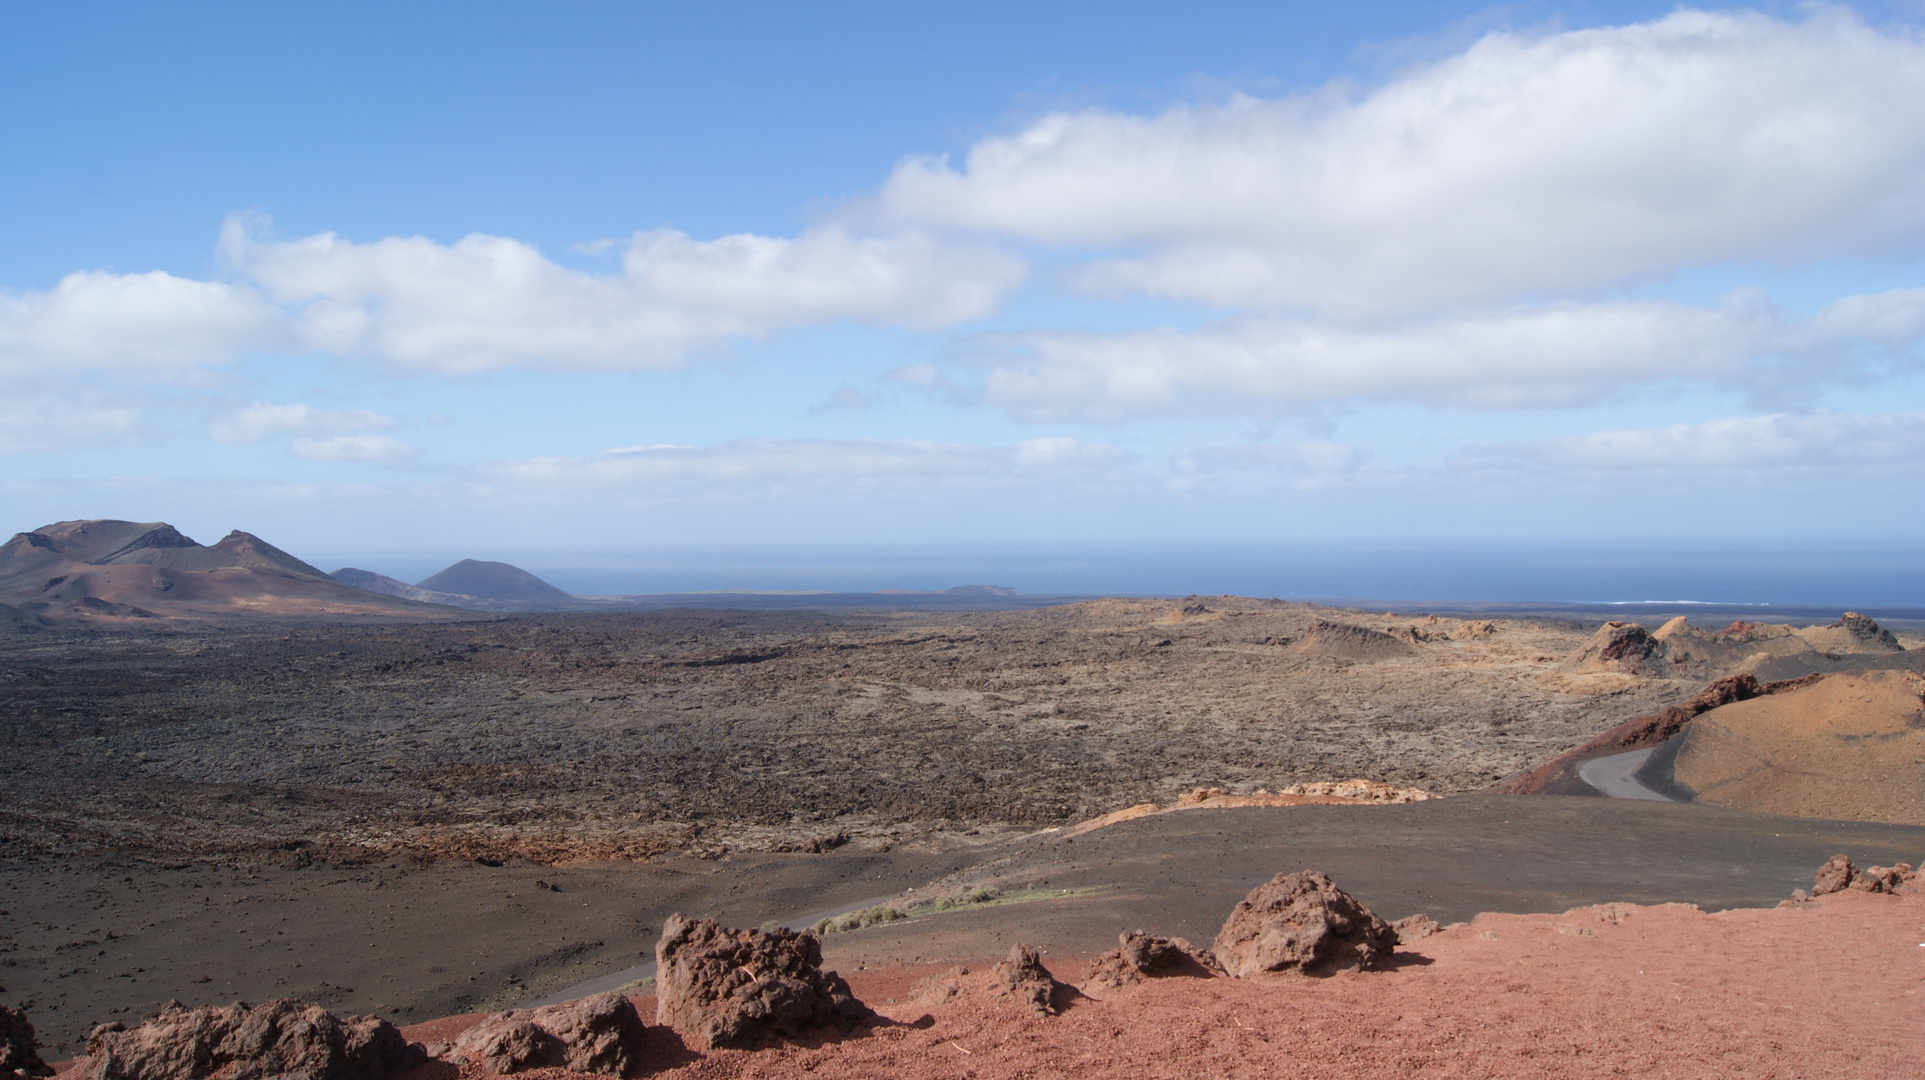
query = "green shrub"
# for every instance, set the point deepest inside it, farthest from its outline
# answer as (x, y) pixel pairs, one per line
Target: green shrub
(856, 920)
(980, 894)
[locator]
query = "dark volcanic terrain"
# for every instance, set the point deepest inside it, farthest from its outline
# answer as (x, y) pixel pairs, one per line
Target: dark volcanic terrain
(426, 818)
(556, 737)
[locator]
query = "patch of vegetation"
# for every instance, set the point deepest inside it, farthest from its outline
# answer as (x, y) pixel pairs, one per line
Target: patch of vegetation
(980, 894)
(856, 920)
(975, 896)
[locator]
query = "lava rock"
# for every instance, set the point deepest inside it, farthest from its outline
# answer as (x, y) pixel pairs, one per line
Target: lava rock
(598, 1034)
(1836, 875)
(1414, 928)
(1302, 922)
(1880, 879)
(19, 1050)
(733, 988)
(284, 1039)
(1021, 979)
(1139, 956)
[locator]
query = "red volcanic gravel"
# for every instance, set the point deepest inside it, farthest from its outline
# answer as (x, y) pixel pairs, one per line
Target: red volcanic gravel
(1835, 987)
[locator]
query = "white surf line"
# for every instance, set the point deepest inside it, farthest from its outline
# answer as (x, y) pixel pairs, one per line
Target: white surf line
(1616, 775)
(604, 983)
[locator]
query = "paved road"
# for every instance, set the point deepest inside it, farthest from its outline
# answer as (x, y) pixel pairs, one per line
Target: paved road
(1616, 775)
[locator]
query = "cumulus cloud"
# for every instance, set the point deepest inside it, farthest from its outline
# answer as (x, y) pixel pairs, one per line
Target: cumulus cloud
(487, 302)
(265, 420)
(1313, 456)
(351, 448)
(840, 465)
(152, 322)
(31, 422)
(1776, 441)
(1551, 355)
(1529, 165)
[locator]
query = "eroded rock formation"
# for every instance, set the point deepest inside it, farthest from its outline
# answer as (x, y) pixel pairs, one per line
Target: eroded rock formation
(1021, 979)
(19, 1050)
(1302, 922)
(598, 1034)
(1139, 956)
(733, 988)
(284, 1039)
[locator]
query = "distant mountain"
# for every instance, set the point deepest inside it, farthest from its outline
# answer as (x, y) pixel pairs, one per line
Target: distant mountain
(981, 590)
(114, 570)
(959, 590)
(492, 581)
(12, 618)
(387, 586)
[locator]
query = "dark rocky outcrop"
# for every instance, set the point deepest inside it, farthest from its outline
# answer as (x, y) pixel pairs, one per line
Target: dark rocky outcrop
(734, 988)
(1621, 647)
(19, 1049)
(598, 1034)
(285, 1039)
(1302, 922)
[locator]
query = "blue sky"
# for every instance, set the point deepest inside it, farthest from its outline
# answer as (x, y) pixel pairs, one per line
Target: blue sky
(601, 283)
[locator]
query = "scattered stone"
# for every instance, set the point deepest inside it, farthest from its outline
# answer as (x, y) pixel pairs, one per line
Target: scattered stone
(1359, 790)
(732, 988)
(19, 1050)
(597, 1034)
(1302, 922)
(1021, 979)
(1836, 875)
(1414, 928)
(1139, 956)
(283, 1039)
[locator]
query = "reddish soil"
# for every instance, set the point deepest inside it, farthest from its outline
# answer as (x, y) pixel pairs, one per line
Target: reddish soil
(1831, 987)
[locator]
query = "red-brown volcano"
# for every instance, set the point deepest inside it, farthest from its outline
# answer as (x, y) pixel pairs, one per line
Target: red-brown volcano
(123, 570)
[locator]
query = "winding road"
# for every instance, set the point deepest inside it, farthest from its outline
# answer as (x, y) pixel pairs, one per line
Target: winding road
(1616, 775)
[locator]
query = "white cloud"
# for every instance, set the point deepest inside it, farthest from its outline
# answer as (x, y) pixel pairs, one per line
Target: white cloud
(1777, 441)
(351, 448)
(1313, 456)
(57, 422)
(489, 302)
(829, 465)
(1526, 166)
(152, 322)
(1545, 356)
(265, 420)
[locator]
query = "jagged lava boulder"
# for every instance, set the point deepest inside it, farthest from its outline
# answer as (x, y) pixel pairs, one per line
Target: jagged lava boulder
(19, 1049)
(1839, 874)
(1021, 979)
(1620, 647)
(1302, 922)
(598, 1034)
(284, 1039)
(733, 988)
(1139, 956)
